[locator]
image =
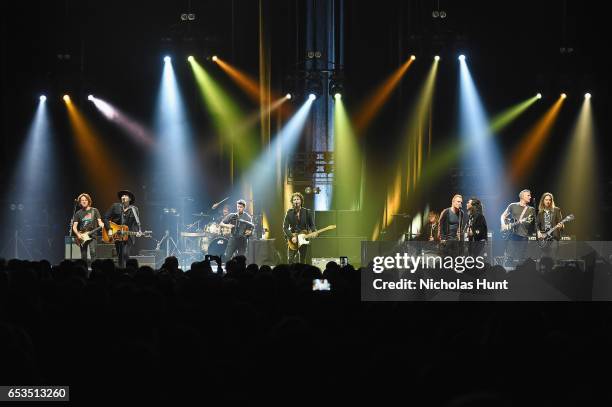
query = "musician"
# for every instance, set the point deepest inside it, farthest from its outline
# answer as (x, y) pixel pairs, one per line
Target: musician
(86, 220)
(549, 216)
(124, 213)
(241, 225)
(430, 229)
(452, 221)
(477, 231)
(522, 213)
(297, 220)
(524, 216)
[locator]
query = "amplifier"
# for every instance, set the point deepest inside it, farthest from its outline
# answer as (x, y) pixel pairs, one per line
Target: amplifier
(72, 251)
(103, 250)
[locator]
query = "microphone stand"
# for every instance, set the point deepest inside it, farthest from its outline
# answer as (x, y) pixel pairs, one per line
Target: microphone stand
(74, 211)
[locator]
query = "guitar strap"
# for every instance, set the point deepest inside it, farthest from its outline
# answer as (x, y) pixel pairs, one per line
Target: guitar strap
(523, 213)
(135, 212)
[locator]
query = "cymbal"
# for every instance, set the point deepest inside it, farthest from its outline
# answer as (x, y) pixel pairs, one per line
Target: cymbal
(193, 234)
(201, 214)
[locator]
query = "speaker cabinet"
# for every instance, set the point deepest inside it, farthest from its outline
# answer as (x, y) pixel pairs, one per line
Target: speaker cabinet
(262, 252)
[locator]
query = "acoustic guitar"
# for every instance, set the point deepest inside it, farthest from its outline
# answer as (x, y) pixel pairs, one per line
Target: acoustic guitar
(121, 233)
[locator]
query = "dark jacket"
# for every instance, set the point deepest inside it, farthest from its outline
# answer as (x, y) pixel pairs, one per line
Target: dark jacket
(444, 227)
(429, 230)
(557, 217)
(131, 218)
(291, 224)
(479, 228)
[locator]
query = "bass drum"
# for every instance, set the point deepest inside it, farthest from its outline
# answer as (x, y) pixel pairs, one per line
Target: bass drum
(217, 246)
(204, 243)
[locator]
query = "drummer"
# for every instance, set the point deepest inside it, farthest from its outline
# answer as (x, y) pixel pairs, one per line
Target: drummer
(222, 213)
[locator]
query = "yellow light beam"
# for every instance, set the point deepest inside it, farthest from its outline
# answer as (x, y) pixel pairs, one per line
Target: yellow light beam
(525, 154)
(578, 178)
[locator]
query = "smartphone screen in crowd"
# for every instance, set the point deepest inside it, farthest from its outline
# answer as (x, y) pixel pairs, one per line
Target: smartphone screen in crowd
(320, 285)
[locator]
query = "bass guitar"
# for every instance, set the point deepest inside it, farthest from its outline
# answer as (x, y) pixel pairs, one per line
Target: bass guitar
(121, 233)
(302, 237)
(84, 237)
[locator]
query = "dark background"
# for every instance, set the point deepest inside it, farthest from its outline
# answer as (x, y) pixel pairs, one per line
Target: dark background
(116, 49)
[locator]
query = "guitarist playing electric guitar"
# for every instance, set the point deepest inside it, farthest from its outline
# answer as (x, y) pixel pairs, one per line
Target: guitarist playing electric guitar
(549, 216)
(87, 221)
(297, 220)
(522, 226)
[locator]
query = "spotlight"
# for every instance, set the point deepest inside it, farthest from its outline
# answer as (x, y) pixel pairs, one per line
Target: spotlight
(312, 96)
(167, 59)
(563, 96)
(539, 96)
(66, 98)
(435, 14)
(412, 57)
(437, 58)
(442, 14)
(42, 98)
(191, 16)
(288, 96)
(184, 17)
(587, 95)
(308, 190)
(214, 58)
(336, 87)
(90, 97)
(462, 58)
(190, 58)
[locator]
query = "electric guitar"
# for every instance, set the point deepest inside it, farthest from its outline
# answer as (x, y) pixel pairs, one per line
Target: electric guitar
(512, 224)
(548, 235)
(121, 233)
(302, 237)
(86, 236)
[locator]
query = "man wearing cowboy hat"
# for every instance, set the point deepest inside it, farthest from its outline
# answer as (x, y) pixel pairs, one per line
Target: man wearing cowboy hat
(124, 213)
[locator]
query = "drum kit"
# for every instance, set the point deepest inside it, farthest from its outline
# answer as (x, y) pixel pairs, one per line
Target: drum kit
(210, 238)
(201, 238)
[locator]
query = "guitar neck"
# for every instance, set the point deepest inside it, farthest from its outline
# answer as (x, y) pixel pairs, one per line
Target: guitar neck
(93, 230)
(325, 229)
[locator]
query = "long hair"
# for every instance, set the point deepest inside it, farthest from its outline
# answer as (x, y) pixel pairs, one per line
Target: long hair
(89, 200)
(435, 215)
(477, 208)
(552, 201)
